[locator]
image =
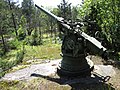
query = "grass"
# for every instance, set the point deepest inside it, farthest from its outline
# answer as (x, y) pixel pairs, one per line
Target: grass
(44, 84)
(7, 62)
(8, 85)
(34, 84)
(42, 52)
(47, 51)
(50, 51)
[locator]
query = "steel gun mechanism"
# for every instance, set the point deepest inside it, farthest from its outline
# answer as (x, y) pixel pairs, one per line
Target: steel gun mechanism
(75, 46)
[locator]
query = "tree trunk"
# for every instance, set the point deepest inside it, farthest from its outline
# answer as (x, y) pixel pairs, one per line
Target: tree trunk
(13, 18)
(4, 45)
(51, 27)
(40, 32)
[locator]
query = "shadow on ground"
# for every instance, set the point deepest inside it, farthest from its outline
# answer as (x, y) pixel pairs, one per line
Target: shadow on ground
(88, 83)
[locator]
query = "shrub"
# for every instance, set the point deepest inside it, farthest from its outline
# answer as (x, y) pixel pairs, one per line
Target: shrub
(1, 52)
(3, 65)
(27, 40)
(21, 33)
(34, 39)
(14, 44)
(19, 56)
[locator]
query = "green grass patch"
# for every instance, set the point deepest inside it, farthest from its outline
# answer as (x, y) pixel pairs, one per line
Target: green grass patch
(34, 84)
(21, 54)
(9, 60)
(9, 85)
(48, 51)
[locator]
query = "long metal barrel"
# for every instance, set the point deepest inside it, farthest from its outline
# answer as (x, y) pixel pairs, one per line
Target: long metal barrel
(50, 14)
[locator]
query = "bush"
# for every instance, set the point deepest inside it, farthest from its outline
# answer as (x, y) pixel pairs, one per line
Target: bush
(21, 33)
(34, 39)
(2, 64)
(1, 52)
(3, 67)
(27, 40)
(6, 65)
(19, 56)
(14, 44)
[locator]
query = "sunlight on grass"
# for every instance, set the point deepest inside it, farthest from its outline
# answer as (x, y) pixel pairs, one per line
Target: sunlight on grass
(50, 51)
(9, 85)
(10, 56)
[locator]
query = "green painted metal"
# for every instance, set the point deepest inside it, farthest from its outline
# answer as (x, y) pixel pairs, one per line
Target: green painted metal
(74, 49)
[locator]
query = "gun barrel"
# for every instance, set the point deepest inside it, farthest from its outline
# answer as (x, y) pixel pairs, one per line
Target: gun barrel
(50, 14)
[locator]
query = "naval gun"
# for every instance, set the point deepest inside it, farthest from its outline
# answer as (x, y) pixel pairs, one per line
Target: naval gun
(75, 46)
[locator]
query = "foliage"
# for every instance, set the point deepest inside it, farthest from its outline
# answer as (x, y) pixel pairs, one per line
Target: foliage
(74, 13)
(5, 65)
(34, 39)
(12, 58)
(21, 33)
(1, 52)
(4, 24)
(5, 17)
(43, 51)
(12, 9)
(14, 44)
(19, 56)
(65, 10)
(29, 12)
(9, 85)
(106, 15)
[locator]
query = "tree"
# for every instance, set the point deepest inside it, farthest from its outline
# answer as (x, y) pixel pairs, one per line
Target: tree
(74, 13)
(11, 6)
(65, 10)
(29, 12)
(107, 18)
(92, 21)
(4, 23)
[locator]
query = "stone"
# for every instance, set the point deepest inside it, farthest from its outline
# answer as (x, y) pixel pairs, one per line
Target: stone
(50, 68)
